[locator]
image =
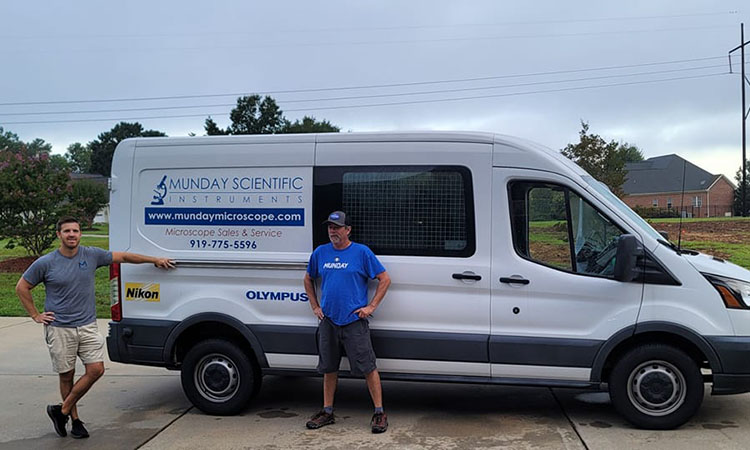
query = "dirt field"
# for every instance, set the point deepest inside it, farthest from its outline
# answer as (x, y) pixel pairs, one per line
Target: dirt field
(731, 232)
(16, 265)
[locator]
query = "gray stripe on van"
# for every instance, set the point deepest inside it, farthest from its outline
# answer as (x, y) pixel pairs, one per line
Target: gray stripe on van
(459, 347)
(538, 351)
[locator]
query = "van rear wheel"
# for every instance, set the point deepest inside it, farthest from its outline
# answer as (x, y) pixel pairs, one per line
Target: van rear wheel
(219, 378)
(656, 386)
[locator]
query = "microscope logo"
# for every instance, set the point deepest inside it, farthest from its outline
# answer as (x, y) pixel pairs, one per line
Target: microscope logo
(160, 192)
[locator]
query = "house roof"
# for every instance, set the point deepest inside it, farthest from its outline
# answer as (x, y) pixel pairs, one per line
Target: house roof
(664, 174)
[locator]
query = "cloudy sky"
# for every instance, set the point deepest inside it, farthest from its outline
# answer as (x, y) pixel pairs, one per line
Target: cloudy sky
(650, 73)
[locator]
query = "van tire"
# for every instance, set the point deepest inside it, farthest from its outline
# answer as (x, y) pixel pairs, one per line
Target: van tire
(656, 387)
(219, 378)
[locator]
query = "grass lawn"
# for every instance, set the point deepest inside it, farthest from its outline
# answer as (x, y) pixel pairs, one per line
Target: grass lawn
(738, 253)
(11, 306)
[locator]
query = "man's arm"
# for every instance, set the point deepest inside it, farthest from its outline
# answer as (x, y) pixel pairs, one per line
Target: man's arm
(384, 281)
(23, 290)
(135, 258)
(312, 296)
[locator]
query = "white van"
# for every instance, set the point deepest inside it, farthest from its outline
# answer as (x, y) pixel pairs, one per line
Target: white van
(510, 265)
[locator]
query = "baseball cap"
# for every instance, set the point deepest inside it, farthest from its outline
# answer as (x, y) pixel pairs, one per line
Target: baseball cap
(338, 218)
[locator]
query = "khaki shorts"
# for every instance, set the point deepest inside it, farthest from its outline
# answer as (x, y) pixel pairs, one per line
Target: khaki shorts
(66, 343)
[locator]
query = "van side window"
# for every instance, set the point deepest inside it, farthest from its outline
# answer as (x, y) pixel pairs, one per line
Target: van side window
(400, 210)
(554, 226)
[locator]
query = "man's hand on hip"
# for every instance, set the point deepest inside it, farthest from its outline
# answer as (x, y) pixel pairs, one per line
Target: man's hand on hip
(46, 317)
(365, 312)
(318, 311)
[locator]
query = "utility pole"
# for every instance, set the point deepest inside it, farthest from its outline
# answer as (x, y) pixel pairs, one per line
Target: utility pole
(745, 113)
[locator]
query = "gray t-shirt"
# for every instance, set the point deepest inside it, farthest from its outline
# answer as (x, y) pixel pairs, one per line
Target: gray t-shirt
(69, 283)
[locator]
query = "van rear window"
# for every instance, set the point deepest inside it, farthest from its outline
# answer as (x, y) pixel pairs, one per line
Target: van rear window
(400, 210)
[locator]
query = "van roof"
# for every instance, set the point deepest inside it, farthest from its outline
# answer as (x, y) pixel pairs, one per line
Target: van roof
(378, 136)
(525, 153)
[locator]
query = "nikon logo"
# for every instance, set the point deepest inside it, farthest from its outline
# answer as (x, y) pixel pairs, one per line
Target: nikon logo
(148, 292)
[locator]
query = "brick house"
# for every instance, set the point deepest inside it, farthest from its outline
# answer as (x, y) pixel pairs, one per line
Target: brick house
(657, 183)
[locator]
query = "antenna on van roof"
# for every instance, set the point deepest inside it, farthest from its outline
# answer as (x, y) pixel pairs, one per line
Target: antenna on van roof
(682, 211)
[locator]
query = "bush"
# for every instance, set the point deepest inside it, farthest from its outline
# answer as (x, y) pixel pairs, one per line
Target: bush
(656, 213)
(32, 195)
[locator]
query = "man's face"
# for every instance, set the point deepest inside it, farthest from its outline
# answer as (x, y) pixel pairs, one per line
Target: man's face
(338, 234)
(70, 235)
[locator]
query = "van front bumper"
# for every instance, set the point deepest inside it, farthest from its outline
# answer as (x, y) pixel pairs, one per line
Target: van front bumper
(139, 341)
(734, 355)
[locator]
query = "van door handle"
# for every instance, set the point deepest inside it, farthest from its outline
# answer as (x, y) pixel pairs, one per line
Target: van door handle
(514, 280)
(467, 276)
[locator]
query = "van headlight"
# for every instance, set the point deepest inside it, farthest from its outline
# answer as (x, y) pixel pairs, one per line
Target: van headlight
(734, 293)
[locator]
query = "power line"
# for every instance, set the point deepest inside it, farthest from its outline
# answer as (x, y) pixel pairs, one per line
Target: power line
(388, 28)
(360, 97)
(386, 104)
(275, 45)
(372, 86)
(510, 94)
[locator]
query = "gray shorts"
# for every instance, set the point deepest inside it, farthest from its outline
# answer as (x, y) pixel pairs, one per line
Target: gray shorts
(353, 338)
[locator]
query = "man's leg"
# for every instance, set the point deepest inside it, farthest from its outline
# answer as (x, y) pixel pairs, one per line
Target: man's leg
(376, 391)
(66, 385)
(94, 371)
(329, 388)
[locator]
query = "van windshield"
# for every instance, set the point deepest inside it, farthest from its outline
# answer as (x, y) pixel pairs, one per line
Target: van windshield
(602, 189)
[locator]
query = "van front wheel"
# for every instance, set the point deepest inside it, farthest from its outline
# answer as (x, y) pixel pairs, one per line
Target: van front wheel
(656, 387)
(218, 377)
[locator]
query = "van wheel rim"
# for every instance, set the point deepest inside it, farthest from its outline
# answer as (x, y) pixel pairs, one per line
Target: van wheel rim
(216, 378)
(657, 388)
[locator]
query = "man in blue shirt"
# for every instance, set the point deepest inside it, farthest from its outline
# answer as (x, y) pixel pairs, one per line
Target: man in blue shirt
(344, 268)
(69, 316)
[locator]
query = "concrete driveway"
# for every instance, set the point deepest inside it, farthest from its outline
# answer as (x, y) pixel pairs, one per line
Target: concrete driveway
(134, 406)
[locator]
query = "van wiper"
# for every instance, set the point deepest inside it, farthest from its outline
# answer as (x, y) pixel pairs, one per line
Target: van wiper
(668, 244)
(679, 251)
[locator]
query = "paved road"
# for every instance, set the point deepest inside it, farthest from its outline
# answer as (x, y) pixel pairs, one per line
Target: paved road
(144, 407)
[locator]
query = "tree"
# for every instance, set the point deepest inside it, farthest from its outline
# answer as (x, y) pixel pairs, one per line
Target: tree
(738, 192)
(32, 194)
(308, 125)
(79, 157)
(255, 116)
(213, 130)
(631, 153)
(603, 160)
(10, 141)
(59, 162)
(38, 146)
(86, 199)
(103, 148)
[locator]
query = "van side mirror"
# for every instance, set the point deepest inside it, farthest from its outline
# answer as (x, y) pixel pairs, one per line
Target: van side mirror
(628, 250)
(665, 235)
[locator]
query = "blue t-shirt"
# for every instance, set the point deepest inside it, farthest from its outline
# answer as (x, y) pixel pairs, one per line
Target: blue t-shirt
(344, 274)
(69, 284)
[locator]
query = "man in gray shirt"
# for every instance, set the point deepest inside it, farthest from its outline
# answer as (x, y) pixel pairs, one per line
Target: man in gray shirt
(69, 315)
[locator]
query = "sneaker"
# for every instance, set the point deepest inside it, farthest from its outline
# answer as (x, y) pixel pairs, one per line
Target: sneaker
(379, 422)
(320, 419)
(78, 431)
(59, 420)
